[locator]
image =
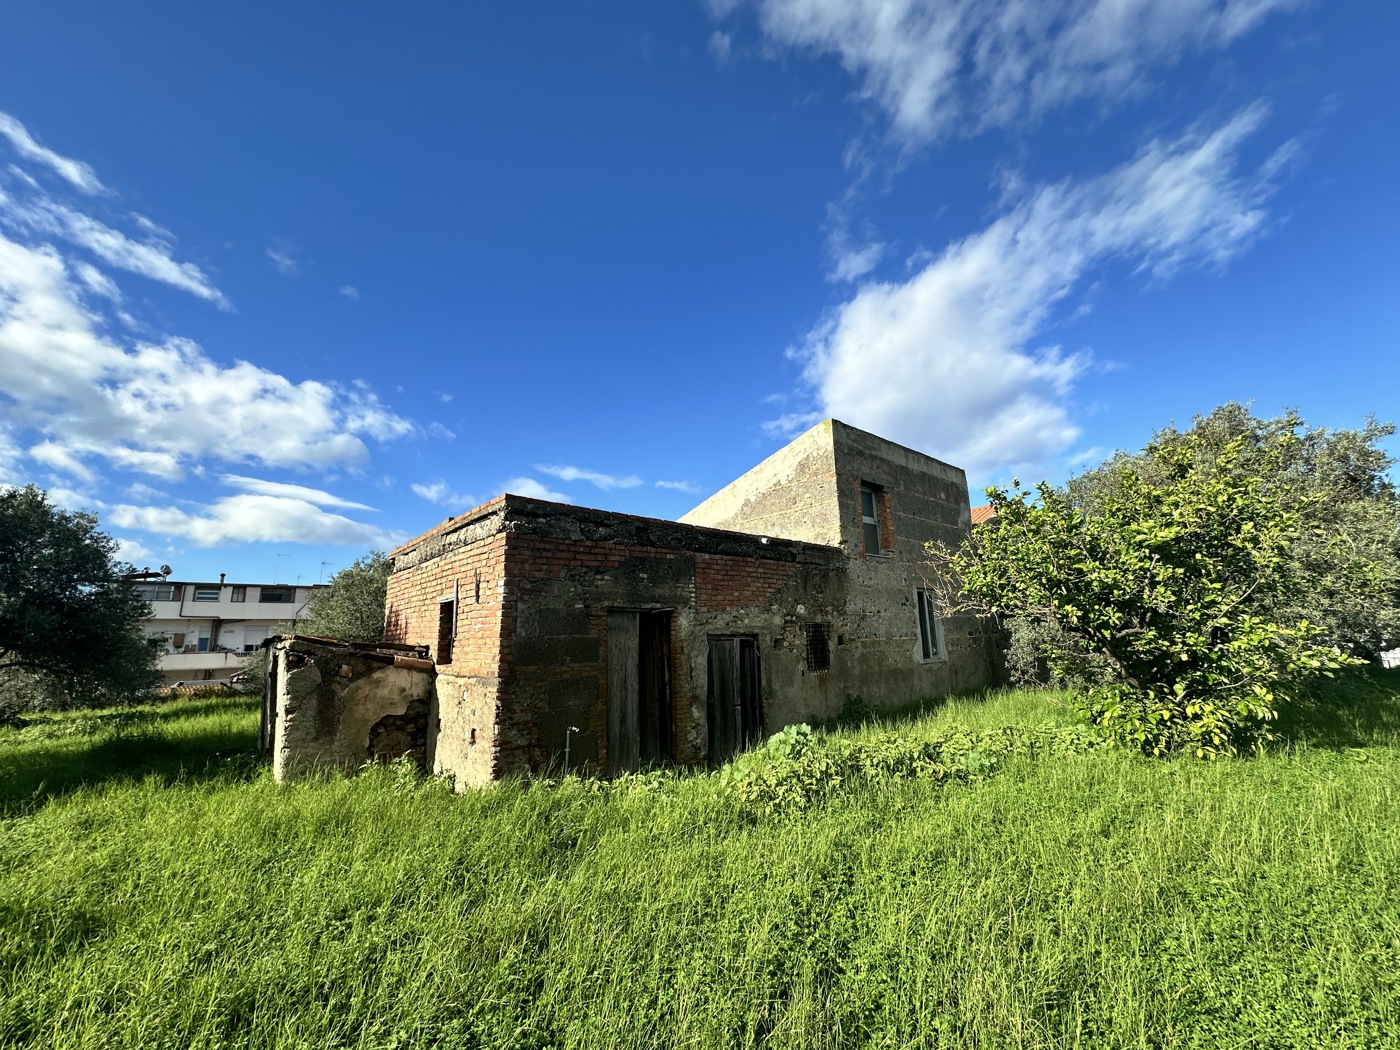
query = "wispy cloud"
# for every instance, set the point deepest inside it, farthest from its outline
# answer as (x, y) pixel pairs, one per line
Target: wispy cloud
(254, 518)
(319, 497)
(965, 65)
(148, 259)
(680, 486)
(721, 45)
(75, 172)
(534, 489)
(606, 482)
(948, 360)
(283, 260)
(148, 406)
(349, 291)
(441, 493)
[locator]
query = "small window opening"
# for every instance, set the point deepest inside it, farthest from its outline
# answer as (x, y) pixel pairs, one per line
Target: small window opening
(818, 648)
(206, 594)
(447, 630)
(870, 517)
(239, 594)
(929, 629)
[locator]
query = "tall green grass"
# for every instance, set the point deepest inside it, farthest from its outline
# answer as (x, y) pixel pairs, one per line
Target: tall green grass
(172, 896)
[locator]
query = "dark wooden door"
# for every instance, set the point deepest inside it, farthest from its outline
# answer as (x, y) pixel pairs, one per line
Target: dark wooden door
(639, 689)
(734, 698)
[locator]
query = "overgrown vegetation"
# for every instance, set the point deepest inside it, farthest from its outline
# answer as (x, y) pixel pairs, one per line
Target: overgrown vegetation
(1043, 900)
(1191, 588)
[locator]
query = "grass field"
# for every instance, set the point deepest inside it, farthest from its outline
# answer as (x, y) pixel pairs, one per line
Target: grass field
(158, 891)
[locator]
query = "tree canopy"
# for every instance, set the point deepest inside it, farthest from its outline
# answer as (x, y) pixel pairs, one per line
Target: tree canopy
(66, 614)
(1192, 573)
(1347, 548)
(352, 607)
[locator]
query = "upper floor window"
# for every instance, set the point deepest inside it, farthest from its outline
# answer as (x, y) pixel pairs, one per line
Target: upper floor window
(277, 594)
(872, 510)
(238, 594)
(207, 594)
(155, 592)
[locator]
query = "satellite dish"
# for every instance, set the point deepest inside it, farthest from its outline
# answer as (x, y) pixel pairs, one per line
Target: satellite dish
(166, 570)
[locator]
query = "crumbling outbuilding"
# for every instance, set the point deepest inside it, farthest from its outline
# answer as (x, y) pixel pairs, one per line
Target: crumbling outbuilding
(611, 641)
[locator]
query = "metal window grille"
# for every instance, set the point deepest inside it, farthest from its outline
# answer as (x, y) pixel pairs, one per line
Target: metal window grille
(818, 648)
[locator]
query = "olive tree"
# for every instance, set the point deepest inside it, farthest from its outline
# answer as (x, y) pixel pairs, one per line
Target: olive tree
(71, 629)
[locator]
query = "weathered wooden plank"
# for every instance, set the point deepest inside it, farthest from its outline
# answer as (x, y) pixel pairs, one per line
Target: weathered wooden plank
(624, 663)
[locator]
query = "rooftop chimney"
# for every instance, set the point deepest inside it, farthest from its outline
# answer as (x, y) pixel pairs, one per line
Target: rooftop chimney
(221, 578)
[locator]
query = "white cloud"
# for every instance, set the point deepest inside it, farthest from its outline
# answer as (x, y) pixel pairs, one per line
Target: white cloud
(441, 493)
(349, 291)
(854, 263)
(680, 486)
(157, 408)
(97, 281)
(961, 65)
(437, 430)
(283, 261)
(132, 551)
(152, 260)
(606, 482)
(74, 171)
(533, 489)
(946, 361)
(319, 497)
(9, 460)
(254, 518)
(721, 46)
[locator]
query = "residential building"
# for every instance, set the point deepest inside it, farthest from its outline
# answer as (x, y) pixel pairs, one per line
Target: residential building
(208, 629)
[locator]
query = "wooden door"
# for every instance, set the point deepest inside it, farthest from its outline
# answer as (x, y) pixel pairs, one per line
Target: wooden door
(734, 698)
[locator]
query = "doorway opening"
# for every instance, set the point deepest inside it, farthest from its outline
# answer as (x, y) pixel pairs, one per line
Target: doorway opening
(640, 722)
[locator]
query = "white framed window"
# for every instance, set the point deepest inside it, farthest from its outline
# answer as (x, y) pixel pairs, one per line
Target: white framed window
(207, 594)
(870, 517)
(279, 595)
(930, 626)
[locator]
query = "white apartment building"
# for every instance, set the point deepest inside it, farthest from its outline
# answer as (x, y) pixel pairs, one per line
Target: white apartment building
(208, 629)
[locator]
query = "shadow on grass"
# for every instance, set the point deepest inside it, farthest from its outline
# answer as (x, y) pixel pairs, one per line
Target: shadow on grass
(199, 740)
(1360, 708)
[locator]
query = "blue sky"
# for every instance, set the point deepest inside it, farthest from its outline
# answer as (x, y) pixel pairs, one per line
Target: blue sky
(280, 283)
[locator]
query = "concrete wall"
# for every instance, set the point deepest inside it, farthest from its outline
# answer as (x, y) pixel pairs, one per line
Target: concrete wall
(812, 488)
(791, 494)
(337, 707)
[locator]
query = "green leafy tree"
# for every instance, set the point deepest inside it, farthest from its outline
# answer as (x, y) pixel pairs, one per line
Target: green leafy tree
(1174, 581)
(71, 629)
(352, 607)
(1347, 547)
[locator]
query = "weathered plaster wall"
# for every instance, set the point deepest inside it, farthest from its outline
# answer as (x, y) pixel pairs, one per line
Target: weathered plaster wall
(338, 708)
(791, 494)
(811, 488)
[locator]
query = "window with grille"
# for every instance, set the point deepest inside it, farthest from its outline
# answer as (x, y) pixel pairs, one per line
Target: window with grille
(818, 647)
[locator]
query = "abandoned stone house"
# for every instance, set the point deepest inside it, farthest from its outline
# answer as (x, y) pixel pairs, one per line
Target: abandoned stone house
(625, 641)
